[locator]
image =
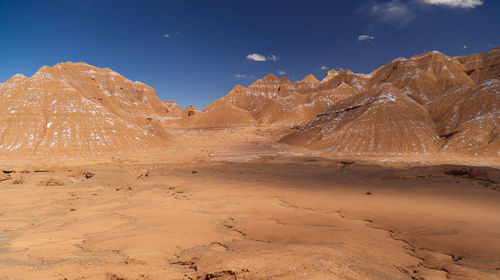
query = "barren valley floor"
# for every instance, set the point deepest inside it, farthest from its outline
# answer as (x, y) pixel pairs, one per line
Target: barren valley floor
(233, 206)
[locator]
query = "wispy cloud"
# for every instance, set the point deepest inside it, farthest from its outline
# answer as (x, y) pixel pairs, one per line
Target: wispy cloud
(260, 58)
(281, 72)
(323, 67)
(273, 57)
(366, 37)
(240, 76)
(394, 12)
(167, 35)
(455, 3)
(400, 13)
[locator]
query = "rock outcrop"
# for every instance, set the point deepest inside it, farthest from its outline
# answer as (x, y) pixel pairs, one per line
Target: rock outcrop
(429, 103)
(375, 122)
(78, 110)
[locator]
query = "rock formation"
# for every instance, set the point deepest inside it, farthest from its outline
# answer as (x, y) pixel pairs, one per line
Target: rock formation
(426, 104)
(469, 119)
(78, 110)
(430, 103)
(373, 122)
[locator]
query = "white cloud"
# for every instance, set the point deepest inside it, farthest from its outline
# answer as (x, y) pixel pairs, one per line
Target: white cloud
(259, 57)
(456, 3)
(167, 35)
(281, 72)
(256, 57)
(394, 12)
(465, 46)
(365, 37)
(400, 13)
(323, 67)
(273, 57)
(239, 76)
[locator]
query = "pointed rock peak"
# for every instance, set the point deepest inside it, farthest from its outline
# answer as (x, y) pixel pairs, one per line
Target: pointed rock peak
(399, 59)
(84, 67)
(497, 49)
(43, 73)
(333, 72)
(388, 93)
(433, 54)
(344, 85)
(310, 79)
(44, 69)
(70, 63)
(17, 77)
(284, 79)
(191, 108)
(270, 77)
(330, 75)
(238, 88)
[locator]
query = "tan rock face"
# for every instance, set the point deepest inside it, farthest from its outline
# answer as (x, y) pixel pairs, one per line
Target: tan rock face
(428, 103)
(264, 102)
(425, 76)
(481, 67)
(383, 121)
(273, 101)
(334, 78)
(259, 97)
(74, 109)
(469, 119)
(310, 79)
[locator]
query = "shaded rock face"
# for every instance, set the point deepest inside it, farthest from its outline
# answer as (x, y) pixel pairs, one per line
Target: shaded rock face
(423, 77)
(78, 110)
(483, 66)
(3, 176)
(469, 119)
(383, 121)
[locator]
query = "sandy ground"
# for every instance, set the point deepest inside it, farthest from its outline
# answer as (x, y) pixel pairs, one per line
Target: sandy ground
(227, 204)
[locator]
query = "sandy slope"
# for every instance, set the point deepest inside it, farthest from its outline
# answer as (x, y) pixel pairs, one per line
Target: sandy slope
(233, 205)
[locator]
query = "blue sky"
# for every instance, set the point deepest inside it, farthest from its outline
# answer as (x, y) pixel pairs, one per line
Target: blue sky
(195, 51)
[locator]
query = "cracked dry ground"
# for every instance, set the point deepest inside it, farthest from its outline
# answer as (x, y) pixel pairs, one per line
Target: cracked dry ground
(281, 219)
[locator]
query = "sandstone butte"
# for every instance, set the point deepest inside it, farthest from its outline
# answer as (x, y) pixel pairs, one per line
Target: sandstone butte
(428, 104)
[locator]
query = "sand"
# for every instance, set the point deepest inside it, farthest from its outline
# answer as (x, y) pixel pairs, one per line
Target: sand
(234, 204)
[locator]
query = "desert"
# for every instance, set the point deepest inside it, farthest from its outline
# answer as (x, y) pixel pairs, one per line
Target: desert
(157, 192)
(246, 208)
(240, 140)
